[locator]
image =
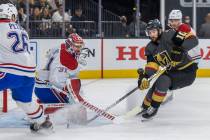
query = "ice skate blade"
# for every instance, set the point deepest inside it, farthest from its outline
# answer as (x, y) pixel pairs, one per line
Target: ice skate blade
(146, 120)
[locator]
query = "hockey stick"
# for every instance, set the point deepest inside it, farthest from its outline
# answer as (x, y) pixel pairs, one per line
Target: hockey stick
(138, 110)
(84, 103)
(114, 104)
(160, 72)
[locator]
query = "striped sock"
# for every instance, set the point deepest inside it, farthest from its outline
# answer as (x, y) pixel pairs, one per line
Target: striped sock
(157, 98)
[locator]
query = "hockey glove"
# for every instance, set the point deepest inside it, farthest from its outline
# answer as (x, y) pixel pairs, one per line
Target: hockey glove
(181, 34)
(143, 82)
(179, 38)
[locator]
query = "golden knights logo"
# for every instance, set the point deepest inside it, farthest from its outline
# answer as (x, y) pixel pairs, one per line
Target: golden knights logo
(163, 58)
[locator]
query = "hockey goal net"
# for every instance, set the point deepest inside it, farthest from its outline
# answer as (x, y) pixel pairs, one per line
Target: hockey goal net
(3, 101)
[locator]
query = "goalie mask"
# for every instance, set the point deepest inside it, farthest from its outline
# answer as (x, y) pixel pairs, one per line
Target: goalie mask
(74, 43)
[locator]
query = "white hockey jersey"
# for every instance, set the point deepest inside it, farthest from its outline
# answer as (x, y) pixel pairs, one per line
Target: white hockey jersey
(61, 66)
(195, 53)
(15, 57)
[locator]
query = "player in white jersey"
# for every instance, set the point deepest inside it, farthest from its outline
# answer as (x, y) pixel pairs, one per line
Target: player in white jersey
(61, 70)
(17, 67)
(183, 31)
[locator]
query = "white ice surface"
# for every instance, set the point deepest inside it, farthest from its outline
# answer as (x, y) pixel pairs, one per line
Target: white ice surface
(186, 117)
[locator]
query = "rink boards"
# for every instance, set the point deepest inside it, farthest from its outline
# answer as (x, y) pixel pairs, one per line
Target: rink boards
(114, 58)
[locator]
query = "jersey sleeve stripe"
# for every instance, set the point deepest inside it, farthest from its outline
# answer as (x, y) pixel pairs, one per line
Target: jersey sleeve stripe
(27, 67)
(31, 71)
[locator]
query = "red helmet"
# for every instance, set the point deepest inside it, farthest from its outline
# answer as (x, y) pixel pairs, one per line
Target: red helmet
(74, 43)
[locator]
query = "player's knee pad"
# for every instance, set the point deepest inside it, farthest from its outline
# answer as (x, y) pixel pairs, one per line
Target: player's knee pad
(163, 83)
(51, 99)
(47, 95)
(33, 110)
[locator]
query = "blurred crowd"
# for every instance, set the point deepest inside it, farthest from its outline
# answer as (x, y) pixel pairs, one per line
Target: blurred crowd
(48, 18)
(204, 31)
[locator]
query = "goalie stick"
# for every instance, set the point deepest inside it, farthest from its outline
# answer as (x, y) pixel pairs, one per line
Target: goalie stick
(101, 112)
(135, 111)
(84, 103)
(160, 72)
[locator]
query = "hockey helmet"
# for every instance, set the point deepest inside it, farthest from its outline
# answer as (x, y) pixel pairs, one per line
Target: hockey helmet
(74, 43)
(175, 14)
(8, 11)
(153, 24)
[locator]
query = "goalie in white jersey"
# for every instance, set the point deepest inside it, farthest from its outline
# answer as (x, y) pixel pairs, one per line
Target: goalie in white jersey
(17, 67)
(61, 71)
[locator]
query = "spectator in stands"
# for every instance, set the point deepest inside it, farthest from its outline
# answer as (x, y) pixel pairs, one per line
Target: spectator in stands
(205, 28)
(45, 27)
(42, 4)
(55, 4)
(31, 5)
(70, 30)
(36, 14)
(57, 18)
(78, 16)
(77, 22)
(35, 21)
(21, 4)
(21, 16)
(133, 27)
(45, 15)
(122, 29)
(58, 15)
(187, 20)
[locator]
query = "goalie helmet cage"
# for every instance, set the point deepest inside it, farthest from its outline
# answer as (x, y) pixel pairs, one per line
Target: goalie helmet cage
(3, 101)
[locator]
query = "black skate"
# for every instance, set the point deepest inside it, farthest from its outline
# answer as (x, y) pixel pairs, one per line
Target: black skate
(149, 114)
(143, 111)
(46, 125)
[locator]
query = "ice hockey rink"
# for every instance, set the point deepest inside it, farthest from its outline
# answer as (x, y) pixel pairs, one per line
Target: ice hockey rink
(187, 116)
